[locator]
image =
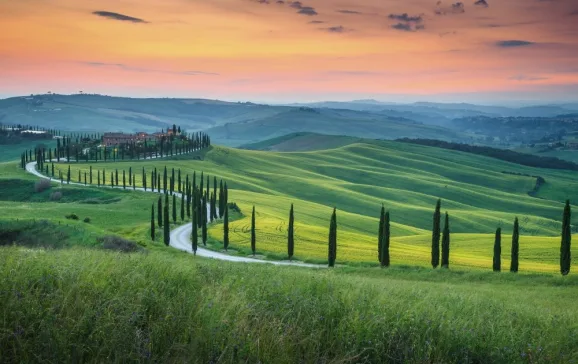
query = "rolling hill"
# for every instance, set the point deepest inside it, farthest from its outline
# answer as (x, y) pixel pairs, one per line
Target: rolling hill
(408, 179)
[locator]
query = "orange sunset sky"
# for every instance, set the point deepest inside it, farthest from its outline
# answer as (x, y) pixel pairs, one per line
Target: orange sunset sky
(281, 51)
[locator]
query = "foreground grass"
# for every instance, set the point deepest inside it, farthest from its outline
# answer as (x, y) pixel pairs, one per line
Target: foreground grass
(88, 305)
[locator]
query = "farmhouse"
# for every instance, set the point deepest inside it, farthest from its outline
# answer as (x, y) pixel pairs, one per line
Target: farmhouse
(109, 139)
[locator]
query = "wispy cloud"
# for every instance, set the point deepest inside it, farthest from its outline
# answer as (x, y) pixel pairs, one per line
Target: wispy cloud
(407, 23)
(455, 8)
(117, 16)
(482, 3)
(146, 70)
(513, 43)
(336, 29)
(353, 12)
(316, 22)
(307, 10)
(527, 78)
(405, 17)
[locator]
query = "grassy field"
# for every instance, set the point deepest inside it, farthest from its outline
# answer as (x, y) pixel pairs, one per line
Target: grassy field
(10, 152)
(92, 306)
(408, 179)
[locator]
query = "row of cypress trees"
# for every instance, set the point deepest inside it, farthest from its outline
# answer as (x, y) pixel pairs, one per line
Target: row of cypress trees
(67, 150)
(438, 234)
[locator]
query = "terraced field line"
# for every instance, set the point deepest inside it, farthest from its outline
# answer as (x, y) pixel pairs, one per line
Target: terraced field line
(180, 236)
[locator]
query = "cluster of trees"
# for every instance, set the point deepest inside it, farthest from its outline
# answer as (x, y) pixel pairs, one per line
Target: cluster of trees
(502, 154)
(197, 202)
(83, 151)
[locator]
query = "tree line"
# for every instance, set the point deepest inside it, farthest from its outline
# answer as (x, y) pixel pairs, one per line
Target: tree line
(439, 235)
(502, 154)
(82, 151)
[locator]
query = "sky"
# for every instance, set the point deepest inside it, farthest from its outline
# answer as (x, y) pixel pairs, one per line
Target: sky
(490, 51)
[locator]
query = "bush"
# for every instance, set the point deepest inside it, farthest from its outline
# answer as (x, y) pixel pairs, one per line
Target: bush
(112, 242)
(86, 220)
(233, 206)
(55, 196)
(72, 217)
(42, 185)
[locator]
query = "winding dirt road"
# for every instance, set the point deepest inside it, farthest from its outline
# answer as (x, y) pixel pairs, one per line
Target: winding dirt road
(180, 236)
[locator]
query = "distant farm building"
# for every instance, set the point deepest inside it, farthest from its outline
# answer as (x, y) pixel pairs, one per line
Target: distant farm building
(109, 139)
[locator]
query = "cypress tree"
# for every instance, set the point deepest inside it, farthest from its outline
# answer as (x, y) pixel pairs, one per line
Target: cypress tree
(515, 247)
(195, 237)
(116, 177)
(204, 220)
(85, 180)
(129, 175)
(332, 253)
(565, 258)
(291, 234)
(153, 222)
(166, 226)
(98, 177)
(134, 182)
(144, 179)
(172, 180)
(174, 209)
(165, 180)
(380, 233)
(112, 179)
(446, 243)
(179, 182)
(160, 211)
(123, 179)
(497, 266)
(221, 200)
(182, 207)
(68, 176)
(226, 228)
(79, 177)
(253, 231)
(385, 248)
(103, 177)
(435, 240)
(90, 176)
(52, 170)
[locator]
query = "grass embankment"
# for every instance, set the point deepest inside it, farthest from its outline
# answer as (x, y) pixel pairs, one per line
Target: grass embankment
(88, 305)
(408, 179)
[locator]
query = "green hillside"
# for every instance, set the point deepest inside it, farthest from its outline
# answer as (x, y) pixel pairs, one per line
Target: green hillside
(326, 121)
(408, 179)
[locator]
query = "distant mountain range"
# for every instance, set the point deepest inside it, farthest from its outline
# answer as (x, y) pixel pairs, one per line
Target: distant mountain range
(236, 123)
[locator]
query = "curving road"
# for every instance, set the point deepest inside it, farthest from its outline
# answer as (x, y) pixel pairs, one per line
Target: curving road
(180, 236)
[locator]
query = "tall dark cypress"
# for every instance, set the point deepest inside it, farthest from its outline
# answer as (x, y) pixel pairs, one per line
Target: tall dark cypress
(226, 228)
(129, 175)
(565, 258)
(68, 176)
(166, 226)
(221, 200)
(515, 247)
(290, 234)
(446, 243)
(497, 264)
(112, 179)
(204, 220)
(116, 177)
(153, 222)
(90, 176)
(179, 182)
(253, 237)
(380, 233)
(123, 179)
(195, 234)
(144, 179)
(182, 206)
(435, 240)
(332, 251)
(174, 209)
(160, 211)
(385, 247)
(165, 187)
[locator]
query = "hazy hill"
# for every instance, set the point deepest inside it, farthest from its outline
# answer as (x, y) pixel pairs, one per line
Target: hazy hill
(102, 113)
(326, 121)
